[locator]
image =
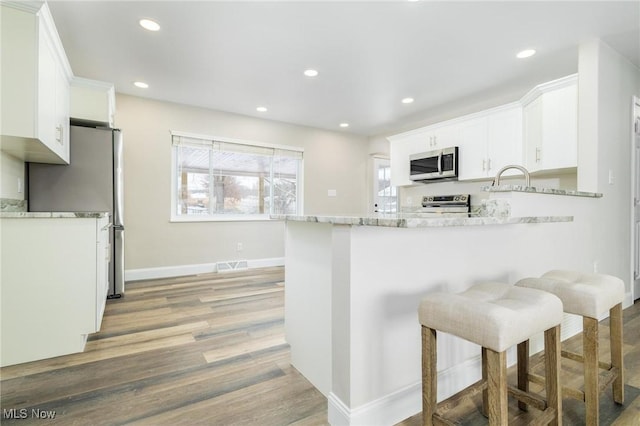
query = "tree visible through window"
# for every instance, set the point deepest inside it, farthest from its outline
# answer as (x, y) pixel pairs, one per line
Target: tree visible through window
(214, 178)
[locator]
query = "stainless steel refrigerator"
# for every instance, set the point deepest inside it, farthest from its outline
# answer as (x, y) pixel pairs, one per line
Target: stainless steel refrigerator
(92, 182)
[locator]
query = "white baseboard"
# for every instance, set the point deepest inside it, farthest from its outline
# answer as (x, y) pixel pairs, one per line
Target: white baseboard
(628, 300)
(406, 402)
(182, 270)
(401, 404)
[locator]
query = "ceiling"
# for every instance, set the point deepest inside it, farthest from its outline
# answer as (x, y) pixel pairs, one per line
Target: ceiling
(237, 55)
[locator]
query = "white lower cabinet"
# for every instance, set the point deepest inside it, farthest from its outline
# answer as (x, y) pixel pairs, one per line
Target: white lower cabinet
(54, 282)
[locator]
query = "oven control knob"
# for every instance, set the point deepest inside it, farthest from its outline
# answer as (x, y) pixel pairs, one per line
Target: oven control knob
(463, 198)
(456, 198)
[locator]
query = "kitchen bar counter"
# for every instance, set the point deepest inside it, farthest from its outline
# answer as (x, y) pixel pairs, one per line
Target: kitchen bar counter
(535, 190)
(53, 215)
(412, 220)
(353, 286)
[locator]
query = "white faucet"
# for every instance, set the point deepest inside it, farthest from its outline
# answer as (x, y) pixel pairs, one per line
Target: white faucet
(496, 181)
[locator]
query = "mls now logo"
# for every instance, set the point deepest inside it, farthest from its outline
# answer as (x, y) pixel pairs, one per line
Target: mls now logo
(14, 413)
(23, 413)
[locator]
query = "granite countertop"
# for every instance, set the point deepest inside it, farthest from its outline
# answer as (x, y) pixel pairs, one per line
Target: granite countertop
(410, 221)
(52, 215)
(534, 190)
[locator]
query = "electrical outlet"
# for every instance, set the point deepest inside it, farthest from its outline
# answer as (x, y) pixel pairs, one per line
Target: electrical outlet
(409, 201)
(612, 177)
(20, 186)
(332, 193)
(595, 266)
(239, 247)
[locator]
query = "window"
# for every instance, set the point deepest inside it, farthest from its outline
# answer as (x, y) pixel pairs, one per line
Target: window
(222, 179)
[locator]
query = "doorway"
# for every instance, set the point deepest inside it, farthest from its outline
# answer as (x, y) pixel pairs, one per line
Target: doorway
(384, 195)
(636, 198)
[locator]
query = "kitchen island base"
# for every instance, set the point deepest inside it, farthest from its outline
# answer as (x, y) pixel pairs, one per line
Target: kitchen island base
(352, 293)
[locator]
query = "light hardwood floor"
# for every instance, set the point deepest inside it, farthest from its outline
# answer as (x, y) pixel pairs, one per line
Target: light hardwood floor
(205, 349)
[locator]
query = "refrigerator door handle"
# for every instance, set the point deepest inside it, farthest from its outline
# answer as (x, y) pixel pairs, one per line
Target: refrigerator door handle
(118, 179)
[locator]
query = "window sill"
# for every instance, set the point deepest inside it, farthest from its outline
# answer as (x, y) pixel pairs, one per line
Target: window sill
(221, 218)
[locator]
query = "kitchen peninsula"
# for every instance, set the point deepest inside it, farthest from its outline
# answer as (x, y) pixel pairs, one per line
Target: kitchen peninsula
(353, 285)
(54, 282)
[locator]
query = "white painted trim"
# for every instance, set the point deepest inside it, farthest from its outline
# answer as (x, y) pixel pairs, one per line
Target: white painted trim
(236, 141)
(453, 121)
(182, 270)
(406, 402)
(548, 86)
(91, 84)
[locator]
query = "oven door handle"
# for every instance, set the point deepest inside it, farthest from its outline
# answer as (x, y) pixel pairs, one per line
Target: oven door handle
(440, 163)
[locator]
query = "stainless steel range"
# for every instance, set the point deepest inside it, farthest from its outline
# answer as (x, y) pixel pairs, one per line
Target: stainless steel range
(446, 205)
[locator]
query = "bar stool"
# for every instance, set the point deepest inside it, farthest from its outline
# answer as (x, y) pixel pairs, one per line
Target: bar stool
(590, 296)
(495, 316)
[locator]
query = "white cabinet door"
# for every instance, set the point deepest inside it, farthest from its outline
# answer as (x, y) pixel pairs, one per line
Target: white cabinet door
(446, 136)
(49, 283)
(103, 255)
(551, 127)
(489, 142)
(92, 101)
(61, 128)
(35, 81)
(400, 150)
(472, 152)
(505, 140)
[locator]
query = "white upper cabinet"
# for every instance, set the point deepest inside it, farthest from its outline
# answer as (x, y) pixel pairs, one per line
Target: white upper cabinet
(34, 122)
(93, 101)
(540, 132)
(402, 146)
(489, 141)
(550, 121)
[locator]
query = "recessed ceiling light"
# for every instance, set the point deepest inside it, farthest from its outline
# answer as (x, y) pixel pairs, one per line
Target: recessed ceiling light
(526, 53)
(407, 100)
(310, 73)
(141, 84)
(261, 109)
(150, 25)
(344, 124)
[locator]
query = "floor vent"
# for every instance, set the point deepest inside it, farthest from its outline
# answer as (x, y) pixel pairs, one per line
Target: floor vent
(231, 265)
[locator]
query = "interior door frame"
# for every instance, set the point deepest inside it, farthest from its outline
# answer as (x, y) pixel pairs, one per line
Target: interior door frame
(635, 203)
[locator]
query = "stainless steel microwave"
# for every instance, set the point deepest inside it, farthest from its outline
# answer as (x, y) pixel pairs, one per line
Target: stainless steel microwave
(433, 165)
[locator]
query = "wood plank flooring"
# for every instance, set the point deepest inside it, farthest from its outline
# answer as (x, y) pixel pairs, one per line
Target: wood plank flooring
(207, 349)
(468, 413)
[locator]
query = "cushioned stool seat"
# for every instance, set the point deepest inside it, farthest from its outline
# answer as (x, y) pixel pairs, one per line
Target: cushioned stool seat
(590, 296)
(495, 316)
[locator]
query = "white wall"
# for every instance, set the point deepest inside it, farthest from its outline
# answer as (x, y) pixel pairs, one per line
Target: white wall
(607, 84)
(11, 169)
(332, 160)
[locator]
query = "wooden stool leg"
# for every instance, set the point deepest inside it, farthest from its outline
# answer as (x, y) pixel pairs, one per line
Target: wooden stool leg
(429, 375)
(485, 395)
(552, 356)
(523, 371)
(497, 388)
(590, 352)
(617, 359)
